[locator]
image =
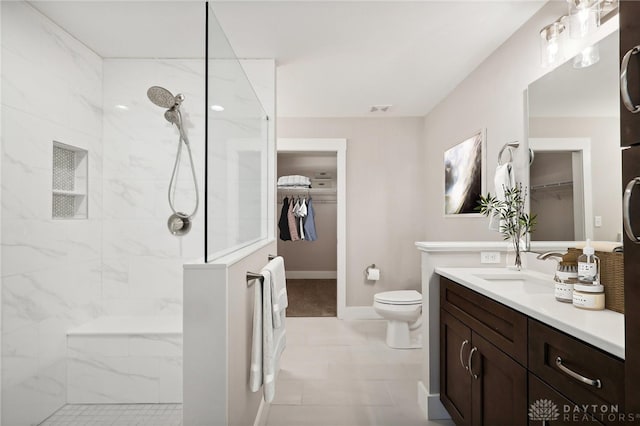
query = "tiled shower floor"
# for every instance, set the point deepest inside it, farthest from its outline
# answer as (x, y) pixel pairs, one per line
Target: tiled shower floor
(116, 415)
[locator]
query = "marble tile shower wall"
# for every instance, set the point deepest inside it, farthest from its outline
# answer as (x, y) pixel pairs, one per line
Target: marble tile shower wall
(58, 274)
(142, 261)
(51, 275)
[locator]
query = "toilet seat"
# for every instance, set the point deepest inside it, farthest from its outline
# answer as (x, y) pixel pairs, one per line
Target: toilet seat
(399, 297)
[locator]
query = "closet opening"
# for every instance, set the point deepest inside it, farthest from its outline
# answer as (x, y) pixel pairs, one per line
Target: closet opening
(310, 224)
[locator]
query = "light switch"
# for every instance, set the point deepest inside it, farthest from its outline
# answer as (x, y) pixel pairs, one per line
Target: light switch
(597, 221)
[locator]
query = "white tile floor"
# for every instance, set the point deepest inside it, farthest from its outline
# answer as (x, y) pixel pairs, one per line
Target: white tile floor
(333, 373)
(116, 415)
(341, 373)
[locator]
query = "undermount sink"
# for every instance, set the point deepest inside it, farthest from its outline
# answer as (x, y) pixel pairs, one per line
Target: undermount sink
(530, 282)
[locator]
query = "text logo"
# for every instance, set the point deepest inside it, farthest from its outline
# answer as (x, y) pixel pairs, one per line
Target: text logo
(544, 410)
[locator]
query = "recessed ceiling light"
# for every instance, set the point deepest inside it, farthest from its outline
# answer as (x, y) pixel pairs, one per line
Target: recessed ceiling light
(217, 108)
(122, 107)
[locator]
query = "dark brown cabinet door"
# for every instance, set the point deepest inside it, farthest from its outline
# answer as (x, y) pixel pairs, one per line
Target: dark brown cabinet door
(455, 381)
(499, 386)
(630, 171)
(629, 38)
(548, 407)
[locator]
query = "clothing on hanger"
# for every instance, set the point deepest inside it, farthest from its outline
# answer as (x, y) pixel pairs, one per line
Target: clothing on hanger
(309, 223)
(283, 223)
(301, 214)
(293, 225)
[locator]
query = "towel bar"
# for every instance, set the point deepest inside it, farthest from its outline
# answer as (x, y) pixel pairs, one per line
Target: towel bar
(253, 276)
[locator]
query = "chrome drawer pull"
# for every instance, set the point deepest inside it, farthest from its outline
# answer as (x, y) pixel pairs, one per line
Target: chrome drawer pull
(624, 88)
(597, 383)
(461, 349)
(626, 207)
(475, 376)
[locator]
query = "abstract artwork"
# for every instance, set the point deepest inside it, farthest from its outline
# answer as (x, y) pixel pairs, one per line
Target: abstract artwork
(463, 176)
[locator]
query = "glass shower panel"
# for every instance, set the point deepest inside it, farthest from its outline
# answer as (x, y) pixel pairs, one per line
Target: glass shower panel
(237, 140)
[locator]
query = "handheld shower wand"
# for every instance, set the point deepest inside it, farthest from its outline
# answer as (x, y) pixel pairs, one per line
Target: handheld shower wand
(179, 223)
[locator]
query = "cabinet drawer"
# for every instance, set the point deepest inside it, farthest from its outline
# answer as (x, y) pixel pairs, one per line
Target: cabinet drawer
(500, 325)
(547, 344)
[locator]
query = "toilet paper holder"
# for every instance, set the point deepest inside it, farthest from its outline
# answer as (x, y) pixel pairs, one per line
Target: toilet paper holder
(368, 275)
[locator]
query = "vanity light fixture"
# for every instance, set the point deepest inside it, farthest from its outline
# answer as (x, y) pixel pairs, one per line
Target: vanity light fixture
(584, 17)
(587, 57)
(551, 38)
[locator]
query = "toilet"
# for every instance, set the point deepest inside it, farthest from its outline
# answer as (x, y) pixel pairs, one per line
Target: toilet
(403, 311)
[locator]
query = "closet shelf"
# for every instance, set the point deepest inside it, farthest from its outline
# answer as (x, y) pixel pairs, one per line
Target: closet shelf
(555, 185)
(310, 191)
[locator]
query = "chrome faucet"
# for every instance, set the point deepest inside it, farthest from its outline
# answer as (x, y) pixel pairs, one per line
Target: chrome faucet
(550, 254)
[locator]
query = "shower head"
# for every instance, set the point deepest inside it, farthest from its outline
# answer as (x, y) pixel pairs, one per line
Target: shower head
(162, 97)
(173, 116)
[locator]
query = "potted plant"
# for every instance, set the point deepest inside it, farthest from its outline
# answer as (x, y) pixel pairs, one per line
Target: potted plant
(515, 222)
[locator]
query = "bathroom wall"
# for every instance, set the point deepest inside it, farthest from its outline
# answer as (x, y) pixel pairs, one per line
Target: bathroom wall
(142, 261)
(385, 207)
(51, 90)
(491, 97)
(606, 163)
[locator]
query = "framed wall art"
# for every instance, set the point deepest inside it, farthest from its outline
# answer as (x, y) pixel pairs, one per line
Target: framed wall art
(464, 176)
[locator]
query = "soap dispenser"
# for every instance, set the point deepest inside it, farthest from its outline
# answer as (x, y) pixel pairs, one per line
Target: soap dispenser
(589, 292)
(588, 266)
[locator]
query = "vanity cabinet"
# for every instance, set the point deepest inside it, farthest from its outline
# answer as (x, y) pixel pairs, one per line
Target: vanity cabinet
(495, 362)
(480, 383)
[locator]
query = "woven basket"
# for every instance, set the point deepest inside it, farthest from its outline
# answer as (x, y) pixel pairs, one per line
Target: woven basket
(612, 277)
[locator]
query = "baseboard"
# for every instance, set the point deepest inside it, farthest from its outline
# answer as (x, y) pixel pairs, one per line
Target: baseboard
(360, 313)
(430, 405)
(312, 275)
(263, 413)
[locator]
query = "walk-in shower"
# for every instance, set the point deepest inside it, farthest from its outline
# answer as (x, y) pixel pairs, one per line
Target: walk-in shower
(92, 304)
(179, 223)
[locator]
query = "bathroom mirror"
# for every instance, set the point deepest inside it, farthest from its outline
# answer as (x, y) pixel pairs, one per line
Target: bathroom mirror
(574, 131)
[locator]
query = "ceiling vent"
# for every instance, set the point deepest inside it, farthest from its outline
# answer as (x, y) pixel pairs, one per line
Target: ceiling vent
(380, 108)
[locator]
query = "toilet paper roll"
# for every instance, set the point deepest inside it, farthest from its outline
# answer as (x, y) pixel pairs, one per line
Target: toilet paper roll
(373, 274)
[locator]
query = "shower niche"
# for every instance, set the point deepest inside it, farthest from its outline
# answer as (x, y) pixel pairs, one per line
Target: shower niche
(69, 182)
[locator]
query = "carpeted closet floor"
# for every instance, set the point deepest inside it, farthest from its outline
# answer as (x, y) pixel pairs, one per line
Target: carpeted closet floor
(311, 298)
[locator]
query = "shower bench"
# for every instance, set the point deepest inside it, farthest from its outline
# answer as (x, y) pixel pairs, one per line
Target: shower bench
(125, 360)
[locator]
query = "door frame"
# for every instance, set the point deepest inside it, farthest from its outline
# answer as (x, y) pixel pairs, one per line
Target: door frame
(339, 147)
(583, 146)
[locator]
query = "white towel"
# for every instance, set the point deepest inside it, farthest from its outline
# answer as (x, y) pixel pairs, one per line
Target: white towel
(504, 179)
(279, 300)
(294, 180)
(267, 342)
(255, 372)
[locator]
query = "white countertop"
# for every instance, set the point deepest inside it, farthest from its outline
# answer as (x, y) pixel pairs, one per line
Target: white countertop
(535, 298)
